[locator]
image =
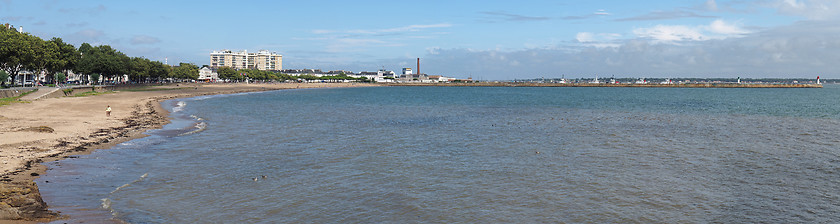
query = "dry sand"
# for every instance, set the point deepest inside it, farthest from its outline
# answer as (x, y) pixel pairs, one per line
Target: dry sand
(51, 129)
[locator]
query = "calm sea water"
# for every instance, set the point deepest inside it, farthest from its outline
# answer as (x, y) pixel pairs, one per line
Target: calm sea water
(471, 155)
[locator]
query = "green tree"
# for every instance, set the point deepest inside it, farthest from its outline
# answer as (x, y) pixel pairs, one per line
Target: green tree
(186, 71)
(94, 78)
(103, 60)
(66, 57)
(159, 71)
(60, 77)
(229, 73)
(253, 74)
(85, 48)
(3, 77)
(16, 51)
(140, 69)
(45, 54)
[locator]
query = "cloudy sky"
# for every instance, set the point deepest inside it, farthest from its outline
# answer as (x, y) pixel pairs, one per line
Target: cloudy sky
(492, 40)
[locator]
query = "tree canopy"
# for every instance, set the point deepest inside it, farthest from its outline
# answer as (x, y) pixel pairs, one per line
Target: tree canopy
(3, 77)
(104, 60)
(16, 51)
(229, 74)
(185, 71)
(22, 51)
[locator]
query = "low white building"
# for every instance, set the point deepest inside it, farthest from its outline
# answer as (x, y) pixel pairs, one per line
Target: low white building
(207, 74)
(379, 76)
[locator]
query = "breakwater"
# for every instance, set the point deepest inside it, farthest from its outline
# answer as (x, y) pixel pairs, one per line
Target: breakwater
(688, 85)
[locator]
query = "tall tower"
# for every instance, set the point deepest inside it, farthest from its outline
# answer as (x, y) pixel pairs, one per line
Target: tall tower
(418, 66)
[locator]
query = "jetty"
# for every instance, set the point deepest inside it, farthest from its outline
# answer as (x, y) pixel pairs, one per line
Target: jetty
(650, 85)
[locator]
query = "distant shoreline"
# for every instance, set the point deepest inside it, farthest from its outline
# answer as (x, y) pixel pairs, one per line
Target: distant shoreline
(692, 85)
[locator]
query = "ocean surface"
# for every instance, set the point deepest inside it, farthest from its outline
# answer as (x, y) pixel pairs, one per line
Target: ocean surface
(470, 155)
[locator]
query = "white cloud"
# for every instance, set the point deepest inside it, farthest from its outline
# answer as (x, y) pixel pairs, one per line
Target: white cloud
(666, 33)
(602, 12)
(361, 40)
(711, 5)
(722, 27)
(811, 9)
(501, 16)
(584, 37)
(599, 40)
(415, 28)
(432, 50)
(804, 49)
(794, 3)
(717, 29)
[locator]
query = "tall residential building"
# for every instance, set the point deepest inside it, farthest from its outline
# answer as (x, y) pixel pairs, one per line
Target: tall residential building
(262, 60)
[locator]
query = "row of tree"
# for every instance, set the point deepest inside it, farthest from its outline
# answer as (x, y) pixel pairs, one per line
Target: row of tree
(24, 52)
(227, 73)
(20, 51)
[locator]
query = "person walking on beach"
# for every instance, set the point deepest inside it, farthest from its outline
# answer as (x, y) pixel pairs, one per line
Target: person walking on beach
(108, 111)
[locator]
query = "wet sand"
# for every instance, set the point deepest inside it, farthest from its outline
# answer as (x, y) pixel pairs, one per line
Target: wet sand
(52, 129)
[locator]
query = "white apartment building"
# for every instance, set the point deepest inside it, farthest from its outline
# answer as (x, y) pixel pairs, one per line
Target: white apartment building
(262, 60)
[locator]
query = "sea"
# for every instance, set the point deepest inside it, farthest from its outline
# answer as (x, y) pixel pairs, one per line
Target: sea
(470, 155)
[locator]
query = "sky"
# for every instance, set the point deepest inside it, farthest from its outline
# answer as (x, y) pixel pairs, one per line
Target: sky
(487, 40)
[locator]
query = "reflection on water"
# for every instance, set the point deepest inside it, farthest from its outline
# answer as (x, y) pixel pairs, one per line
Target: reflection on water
(412, 155)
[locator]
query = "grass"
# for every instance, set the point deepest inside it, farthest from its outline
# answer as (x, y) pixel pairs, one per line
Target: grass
(147, 89)
(91, 93)
(11, 100)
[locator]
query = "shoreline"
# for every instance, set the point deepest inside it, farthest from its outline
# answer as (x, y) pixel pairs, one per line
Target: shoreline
(625, 85)
(76, 127)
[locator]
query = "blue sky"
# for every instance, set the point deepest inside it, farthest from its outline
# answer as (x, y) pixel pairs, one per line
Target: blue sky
(494, 40)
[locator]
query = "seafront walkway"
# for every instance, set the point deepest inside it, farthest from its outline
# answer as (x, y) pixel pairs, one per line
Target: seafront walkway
(42, 92)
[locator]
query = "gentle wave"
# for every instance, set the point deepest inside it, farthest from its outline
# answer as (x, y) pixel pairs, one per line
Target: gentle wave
(179, 106)
(199, 127)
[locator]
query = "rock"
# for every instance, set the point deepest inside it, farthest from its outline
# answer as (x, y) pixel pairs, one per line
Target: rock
(43, 129)
(22, 201)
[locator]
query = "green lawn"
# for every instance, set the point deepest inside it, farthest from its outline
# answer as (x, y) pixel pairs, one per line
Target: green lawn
(91, 93)
(148, 88)
(10, 100)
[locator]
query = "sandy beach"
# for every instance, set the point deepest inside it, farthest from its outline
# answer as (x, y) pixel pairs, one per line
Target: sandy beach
(52, 129)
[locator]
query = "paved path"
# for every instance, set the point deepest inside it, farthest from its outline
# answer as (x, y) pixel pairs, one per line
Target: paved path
(42, 91)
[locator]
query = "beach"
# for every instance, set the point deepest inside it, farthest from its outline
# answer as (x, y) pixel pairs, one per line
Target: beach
(52, 129)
